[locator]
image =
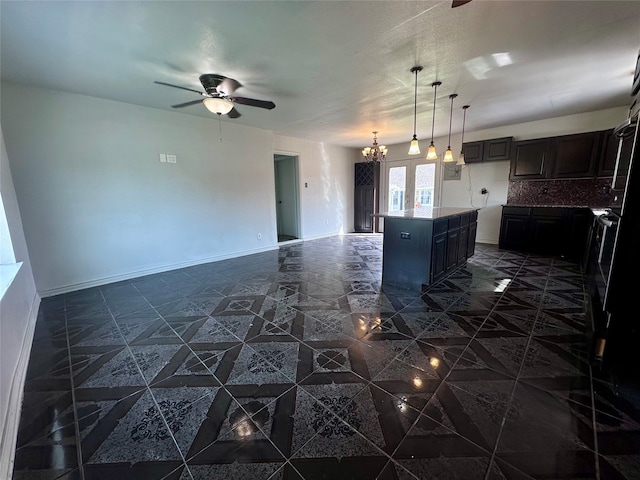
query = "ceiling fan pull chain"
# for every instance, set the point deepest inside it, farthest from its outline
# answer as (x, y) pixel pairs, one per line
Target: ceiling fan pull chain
(220, 124)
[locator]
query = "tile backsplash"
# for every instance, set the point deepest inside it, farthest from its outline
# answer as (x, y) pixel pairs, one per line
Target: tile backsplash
(588, 192)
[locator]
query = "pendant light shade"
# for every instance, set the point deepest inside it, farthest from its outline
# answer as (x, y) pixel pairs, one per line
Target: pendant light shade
(448, 155)
(464, 119)
(414, 148)
(431, 153)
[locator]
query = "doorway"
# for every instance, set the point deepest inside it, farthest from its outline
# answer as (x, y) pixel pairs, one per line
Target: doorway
(411, 184)
(285, 169)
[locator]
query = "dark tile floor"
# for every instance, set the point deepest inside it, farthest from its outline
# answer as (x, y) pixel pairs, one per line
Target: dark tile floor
(296, 364)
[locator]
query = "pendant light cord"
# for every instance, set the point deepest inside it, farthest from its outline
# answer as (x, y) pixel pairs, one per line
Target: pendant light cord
(450, 117)
(464, 120)
(415, 104)
(433, 118)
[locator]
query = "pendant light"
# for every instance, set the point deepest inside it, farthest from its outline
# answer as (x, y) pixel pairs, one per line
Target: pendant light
(464, 119)
(414, 148)
(448, 155)
(431, 153)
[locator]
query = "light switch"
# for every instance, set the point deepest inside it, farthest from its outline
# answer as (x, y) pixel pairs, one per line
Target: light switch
(171, 159)
(163, 158)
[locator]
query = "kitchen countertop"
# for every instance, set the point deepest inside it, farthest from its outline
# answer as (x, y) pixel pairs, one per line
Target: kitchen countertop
(542, 205)
(426, 213)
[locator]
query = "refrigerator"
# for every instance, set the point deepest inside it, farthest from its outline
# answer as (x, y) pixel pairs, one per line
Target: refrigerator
(621, 303)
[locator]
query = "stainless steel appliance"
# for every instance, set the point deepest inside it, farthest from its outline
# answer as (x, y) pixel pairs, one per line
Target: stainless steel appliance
(617, 238)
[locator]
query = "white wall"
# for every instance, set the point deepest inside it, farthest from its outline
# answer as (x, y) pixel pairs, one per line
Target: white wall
(326, 185)
(98, 206)
(494, 176)
(18, 311)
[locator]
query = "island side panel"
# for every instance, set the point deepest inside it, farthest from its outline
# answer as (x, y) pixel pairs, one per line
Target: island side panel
(406, 253)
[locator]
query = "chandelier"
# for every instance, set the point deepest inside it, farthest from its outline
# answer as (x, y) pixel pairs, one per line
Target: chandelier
(375, 153)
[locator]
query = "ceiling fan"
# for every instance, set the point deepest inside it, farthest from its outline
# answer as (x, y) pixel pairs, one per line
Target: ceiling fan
(218, 95)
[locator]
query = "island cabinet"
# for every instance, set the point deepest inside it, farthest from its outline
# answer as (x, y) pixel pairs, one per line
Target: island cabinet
(561, 231)
(425, 244)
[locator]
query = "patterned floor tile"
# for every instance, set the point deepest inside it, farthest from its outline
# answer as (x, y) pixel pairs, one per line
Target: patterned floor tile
(298, 364)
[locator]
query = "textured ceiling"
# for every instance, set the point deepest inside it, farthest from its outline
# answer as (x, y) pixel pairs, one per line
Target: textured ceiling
(336, 70)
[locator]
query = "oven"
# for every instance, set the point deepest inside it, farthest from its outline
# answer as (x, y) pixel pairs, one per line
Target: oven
(599, 262)
(602, 242)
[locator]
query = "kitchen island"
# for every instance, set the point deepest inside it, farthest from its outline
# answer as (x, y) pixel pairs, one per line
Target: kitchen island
(422, 245)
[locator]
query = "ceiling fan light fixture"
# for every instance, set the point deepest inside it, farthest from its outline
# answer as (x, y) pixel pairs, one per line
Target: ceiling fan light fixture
(432, 154)
(414, 148)
(448, 155)
(221, 106)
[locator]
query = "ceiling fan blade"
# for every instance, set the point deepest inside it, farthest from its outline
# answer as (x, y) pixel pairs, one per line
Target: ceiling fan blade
(233, 113)
(252, 102)
(187, 104)
(177, 86)
(228, 86)
(458, 3)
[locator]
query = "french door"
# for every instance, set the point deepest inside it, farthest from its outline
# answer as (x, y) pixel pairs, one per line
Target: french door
(411, 184)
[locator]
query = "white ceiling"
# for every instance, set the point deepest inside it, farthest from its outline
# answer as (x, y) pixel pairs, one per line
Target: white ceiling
(336, 70)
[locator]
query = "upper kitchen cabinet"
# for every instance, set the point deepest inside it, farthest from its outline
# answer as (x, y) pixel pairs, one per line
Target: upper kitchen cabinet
(575, 156)
(529, 159)
(492, 150)
(472, 152)
(610, 144)
(566, 156)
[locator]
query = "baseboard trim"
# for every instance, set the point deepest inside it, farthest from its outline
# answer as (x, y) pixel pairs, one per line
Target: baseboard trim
(12, 420)
(166, 268)
(149, 271)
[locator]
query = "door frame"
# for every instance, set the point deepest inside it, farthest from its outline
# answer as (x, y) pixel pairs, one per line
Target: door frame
(411, 164)
(296, 192)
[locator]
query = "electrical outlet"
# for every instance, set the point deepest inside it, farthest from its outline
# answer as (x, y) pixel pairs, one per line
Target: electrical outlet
(171, 158)
(259, 236)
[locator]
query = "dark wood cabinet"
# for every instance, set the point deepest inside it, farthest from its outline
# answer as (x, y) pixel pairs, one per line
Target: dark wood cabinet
(582, 155)
(575, 156)
(514, 228)
(462, 244)
(453, 241)
(609, 153)
(418, 252)
(546, 230)
(492, 150)
(529, 159)
(473, 152)
(471, 237)
(497, 149)
(439, 255)
(366, 192)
